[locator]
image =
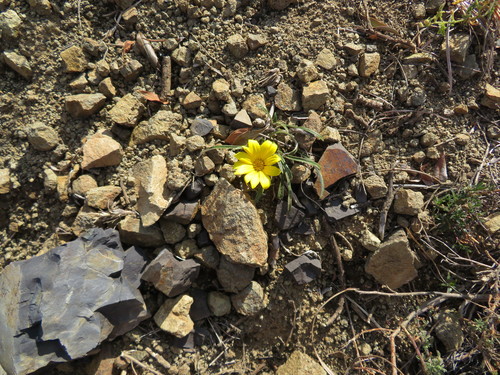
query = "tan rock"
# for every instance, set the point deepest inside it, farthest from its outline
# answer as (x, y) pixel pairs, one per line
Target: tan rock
(326, 59)
(154, 197)
(288, 99)
(255, 105)
(107, 88)
(408, 202)
(368, 240)
(102, 197)
(255, 41)
(18, 63)
(62, 187)
(368, 64)
(49, 180)
(375, 186)
(79, 83)
(234, 225)
(459, 44)
(128, 111)
(222, 90)
(134, 233)
(83, 184)
(307, 72)
(492, 223)
(42, 137)
(173, 316)
(393, 264)
(300, 364)
(162, 125)
(10, 24)
(237, 46)
(74, 59)
(492, 97)
(4, 181)
(192, 101)
(315, 95)
(101, 150)
(84, 105)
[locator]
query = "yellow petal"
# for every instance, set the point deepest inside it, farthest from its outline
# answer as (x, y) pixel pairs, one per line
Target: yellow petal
(272, 159)
(267, 149)
(248, 176)
(243, 169)
(265, 180)
(242, 162)
(254, 180)
(252, 148)
(242, 155)
(271, 171)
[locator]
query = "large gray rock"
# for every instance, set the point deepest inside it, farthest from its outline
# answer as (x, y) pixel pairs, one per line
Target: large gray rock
(171, 276)
(61, 305)
(234, 225)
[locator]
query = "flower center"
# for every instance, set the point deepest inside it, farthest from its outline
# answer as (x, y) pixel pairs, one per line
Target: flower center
(258, 165)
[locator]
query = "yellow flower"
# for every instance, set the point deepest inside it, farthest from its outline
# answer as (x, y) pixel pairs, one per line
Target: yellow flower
(256, 163)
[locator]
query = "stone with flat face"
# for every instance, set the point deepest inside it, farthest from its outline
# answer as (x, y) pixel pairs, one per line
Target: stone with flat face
(393, 264)
(336, 163)
(100, 151)
(61, 305)
(154, 197)
(234, 225)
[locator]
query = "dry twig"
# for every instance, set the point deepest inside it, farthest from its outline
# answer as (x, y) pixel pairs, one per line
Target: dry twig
(131, 359)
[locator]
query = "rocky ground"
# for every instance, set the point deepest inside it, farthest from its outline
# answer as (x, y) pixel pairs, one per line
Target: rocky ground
(109, 114)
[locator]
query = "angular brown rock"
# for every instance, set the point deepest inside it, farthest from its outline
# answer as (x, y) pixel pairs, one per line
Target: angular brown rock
(101, 150)
(154, 197)
(173, 316)
(336, 163)
(127, 111)
(84, 105)
(134, 233)
(162, 125)
(393, 264)
(102, 197)
(234, 225)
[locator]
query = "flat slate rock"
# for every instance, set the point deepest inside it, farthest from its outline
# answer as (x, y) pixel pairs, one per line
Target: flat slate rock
(304, 269)
(61, 305)
(335, 210)
(287, 218)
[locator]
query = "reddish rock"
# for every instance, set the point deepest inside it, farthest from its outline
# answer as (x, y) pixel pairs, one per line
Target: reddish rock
(336, 163)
